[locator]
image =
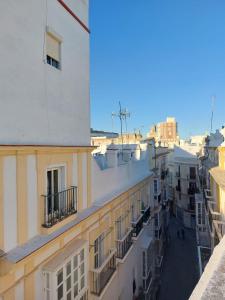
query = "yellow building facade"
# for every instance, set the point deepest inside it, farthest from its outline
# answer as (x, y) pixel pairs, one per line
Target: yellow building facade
(109, 229)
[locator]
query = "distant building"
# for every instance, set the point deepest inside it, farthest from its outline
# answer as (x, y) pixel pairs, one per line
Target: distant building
(210, 220)
(104, 138)
(165, 133)
(184, 165)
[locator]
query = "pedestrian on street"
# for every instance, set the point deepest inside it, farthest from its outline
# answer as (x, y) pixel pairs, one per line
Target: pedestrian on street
(183, 233)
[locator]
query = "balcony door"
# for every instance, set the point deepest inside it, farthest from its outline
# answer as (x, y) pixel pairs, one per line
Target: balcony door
(192, 173)
(54, 187)
(99, 251)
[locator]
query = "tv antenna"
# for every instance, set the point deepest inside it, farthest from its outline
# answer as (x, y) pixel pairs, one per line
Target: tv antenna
(123, 115)
(213, 99)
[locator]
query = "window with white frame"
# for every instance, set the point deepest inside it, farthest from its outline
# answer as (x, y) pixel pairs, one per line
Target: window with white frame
(121, 226)
(53, 50)
(99, 251)
(68, 282)
(55, 184)
(135, 208)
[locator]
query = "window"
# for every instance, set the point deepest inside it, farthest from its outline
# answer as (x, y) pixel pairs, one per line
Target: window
(155, 186)
(99, 251)
(192, 173)
(135, 207)
(121, 226)
(69, 282)
(53, 49)
(55, 184)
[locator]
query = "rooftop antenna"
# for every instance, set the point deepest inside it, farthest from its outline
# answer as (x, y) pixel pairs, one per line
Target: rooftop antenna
(123, 114)
(213, 99)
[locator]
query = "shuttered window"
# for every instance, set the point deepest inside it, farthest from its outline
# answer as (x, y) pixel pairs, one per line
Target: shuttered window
(53, 50)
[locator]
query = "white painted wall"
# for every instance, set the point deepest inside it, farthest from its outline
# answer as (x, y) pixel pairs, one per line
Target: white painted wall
(32, 199)
(122, 285)
(9, 203)
(40, 104)
(109, 182)
(80, 7)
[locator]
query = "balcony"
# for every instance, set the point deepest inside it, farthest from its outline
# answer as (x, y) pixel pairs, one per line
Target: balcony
(192, 177)
(213, 214)
(193, 190)
(219, 228)
(159, 264)
(191, 208)
(147, 281)
(163, 175)
(99, 277)
(146, 214)
(178, 188)
(137, 226)
(158, 233)
(124, 245)
(59, 206)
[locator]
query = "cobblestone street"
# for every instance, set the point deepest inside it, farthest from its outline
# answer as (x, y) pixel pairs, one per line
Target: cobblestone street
(180, 270)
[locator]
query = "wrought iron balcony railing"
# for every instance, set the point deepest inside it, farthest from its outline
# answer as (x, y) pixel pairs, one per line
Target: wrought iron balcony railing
(59, 206)
(178, 188)
(219, 227)
(99, 277)
(146, 214)
(124, 244)
(213, 214)
(192, 191)
(177, 174)
(137, 226)
(147, 281)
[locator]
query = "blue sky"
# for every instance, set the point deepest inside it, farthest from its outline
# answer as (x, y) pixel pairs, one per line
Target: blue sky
(159, 58)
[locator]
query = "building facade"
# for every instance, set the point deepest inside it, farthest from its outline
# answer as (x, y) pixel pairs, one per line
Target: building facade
(184, 168)
(165, 133)
(210, 219)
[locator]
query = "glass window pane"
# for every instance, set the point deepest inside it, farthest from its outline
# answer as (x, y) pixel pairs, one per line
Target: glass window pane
(48, 295)
(82, 282)
(68, 297)
(75, 262)
(68, 283)
(49, 182)
(75, 290)
(60, 292)
(68, 269)
(60, 276)
(82, 269)
(56, 181)
(82, 255)
(75, 276)
(47, 280)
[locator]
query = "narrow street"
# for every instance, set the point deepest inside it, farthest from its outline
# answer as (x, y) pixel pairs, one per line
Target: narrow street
(180, 270)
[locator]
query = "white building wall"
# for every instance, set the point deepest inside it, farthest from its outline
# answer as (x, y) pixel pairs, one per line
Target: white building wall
(10, 203)
(32, 199)
(109, 182)
(122, 285)
(46, 104)
(80, 7)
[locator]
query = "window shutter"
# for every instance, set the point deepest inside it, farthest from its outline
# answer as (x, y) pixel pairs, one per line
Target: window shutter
(53, 47)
